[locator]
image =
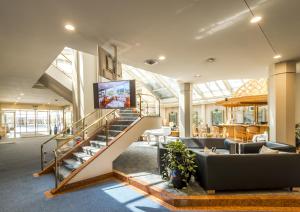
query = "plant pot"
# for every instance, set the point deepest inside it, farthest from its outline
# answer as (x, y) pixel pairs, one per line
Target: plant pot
(297, 142)
(177, 179)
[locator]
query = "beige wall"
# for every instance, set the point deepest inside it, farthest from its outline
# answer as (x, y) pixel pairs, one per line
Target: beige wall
(30, 106)
(297, 112)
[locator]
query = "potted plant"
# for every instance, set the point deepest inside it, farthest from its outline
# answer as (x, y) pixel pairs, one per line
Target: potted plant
(297, 134)
(180, 164)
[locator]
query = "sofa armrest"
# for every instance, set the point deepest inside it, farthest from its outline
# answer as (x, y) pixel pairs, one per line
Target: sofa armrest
(281, 147)
(251, 148)
(231, 146)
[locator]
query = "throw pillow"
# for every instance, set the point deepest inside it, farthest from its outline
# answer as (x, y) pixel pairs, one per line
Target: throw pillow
(266, 150)
(206, 150)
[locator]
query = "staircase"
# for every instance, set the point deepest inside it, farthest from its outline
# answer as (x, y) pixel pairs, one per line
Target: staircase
(95, 143)
(55, 80)
(94, 146)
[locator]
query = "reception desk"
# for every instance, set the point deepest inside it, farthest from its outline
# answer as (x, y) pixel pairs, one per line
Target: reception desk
(240, 132)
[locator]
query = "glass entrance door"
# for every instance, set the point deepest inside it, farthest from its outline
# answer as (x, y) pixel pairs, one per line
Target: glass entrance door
(42, 122)
(9, 124)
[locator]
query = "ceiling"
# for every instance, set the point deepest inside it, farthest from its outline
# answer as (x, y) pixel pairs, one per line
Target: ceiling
(187, 32)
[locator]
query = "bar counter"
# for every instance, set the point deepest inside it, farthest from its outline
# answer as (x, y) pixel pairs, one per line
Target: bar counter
(241, 132)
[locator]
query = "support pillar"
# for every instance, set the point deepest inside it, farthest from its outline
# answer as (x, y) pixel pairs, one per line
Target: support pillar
(281, 102)
(185, 110)
(83, 78)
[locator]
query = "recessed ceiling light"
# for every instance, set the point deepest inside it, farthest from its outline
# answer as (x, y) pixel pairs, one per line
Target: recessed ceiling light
(197, 75)
(18, 98)
(69, 27)
(211, 60)
(151, 62)
(277, 56)
(161, 57)
(255, 19)
(21, 94)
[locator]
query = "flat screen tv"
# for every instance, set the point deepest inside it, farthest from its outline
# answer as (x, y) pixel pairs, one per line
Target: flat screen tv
(114, 94)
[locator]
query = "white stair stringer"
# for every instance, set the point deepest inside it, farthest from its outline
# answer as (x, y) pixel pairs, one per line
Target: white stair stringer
(103, 164)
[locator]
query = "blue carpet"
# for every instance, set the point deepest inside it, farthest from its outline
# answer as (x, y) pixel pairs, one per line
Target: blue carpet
(20, 191)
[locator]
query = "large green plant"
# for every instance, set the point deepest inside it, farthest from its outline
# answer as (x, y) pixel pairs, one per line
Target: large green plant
(298, 131)
(178, 157)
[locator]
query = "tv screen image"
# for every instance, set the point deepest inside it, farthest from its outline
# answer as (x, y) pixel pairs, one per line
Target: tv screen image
(114, 94)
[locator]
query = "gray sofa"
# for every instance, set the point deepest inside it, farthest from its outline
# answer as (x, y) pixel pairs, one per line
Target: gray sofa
(245, 171)
(248, 171)
(250, 148)
(224, 146)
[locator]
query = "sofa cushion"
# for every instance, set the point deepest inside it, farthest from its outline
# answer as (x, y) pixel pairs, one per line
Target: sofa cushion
(251, 148)
(192, 143)
(213, 142)
(266, 150)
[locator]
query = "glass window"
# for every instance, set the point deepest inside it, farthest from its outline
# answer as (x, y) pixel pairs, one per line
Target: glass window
(21, 121)
(30, 121)
(42, 121)
(249, 116)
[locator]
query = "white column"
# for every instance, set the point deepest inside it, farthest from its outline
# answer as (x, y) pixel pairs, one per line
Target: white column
(185, 110)
(83, 79)
(282, 85)
(203, 113)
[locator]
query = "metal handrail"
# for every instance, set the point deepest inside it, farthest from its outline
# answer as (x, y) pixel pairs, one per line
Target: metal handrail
(140, 98)
(57, 157)
(62, 132)
(85, 129)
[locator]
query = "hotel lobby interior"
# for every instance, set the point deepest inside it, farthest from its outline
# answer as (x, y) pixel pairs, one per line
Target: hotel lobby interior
(173, 105)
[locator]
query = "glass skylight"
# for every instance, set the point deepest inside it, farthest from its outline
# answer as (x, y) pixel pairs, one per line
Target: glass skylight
(167, 89)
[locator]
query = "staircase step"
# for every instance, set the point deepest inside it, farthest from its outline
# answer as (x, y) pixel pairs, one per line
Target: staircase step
(99, 144)
(123, 122)
(71, 164)
(129, 118)
(63, 172)
(80, 155)
(84, 159)
(114, 132)
(94, 151)
(88, 149)
(103, 138)
(127, 111)
(129, 114)
(117, 127)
